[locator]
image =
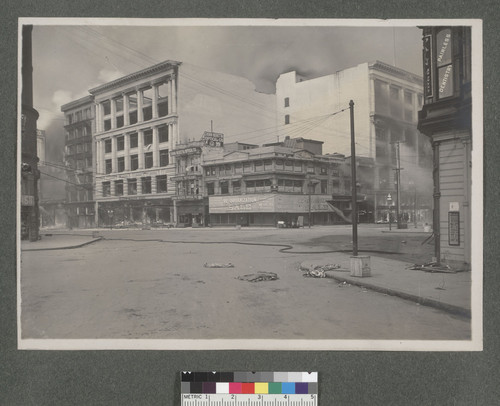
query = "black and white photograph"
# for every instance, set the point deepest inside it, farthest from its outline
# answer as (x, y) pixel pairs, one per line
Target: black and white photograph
(250, 184)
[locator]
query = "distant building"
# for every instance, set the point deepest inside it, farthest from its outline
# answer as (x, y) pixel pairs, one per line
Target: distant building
(386, 100)
(78, 161)
(29, 159)
(446, 118)
(40, 145)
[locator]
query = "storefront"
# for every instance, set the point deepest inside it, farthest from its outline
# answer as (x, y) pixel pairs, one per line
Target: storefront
(290, 210)
(191, 212)
(135, 212)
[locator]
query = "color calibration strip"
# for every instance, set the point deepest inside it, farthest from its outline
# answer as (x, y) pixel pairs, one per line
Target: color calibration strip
(249, 388)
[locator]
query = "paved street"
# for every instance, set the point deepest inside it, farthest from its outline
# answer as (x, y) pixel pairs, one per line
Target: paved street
(153, 284)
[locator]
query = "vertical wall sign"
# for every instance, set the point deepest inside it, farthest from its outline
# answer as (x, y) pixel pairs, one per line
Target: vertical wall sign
(454, 228)
(444, 63)
(427, 60)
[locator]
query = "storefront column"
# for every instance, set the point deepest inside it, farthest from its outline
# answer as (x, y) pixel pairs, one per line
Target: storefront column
(154, 106)
(126, 117)
(113, 113)
(174, 97)
(174, 215)
(126, 140)
(140, 142)
(170, 97)
(156, 152)
(98, 117)
(114, 161)
(140, 115)
(153, 185)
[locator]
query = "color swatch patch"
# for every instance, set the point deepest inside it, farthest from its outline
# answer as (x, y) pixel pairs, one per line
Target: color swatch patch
(262, 383)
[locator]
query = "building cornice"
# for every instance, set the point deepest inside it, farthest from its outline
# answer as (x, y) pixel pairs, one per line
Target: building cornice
(395, 71)
(77, 103)
(160, 67)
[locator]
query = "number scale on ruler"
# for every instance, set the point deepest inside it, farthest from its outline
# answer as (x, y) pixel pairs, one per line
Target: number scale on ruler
(249, 400)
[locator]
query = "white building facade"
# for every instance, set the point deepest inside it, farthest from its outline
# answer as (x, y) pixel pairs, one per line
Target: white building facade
(386, 103)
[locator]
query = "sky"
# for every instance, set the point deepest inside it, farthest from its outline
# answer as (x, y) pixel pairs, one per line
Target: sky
(70, 59)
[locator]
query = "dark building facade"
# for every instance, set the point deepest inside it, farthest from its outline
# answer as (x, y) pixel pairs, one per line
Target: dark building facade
(446, 118)
(78, 153)
(29, 159)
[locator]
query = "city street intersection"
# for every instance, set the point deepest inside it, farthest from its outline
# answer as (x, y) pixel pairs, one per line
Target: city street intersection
(156, 284)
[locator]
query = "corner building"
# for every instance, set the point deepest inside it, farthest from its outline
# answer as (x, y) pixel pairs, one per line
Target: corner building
(136, 127)
(142, 117)
(288, 184)
(446, 118)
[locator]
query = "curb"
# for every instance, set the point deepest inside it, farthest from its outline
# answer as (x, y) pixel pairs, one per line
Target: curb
(452, 309)
(457, 310)
(63, 248)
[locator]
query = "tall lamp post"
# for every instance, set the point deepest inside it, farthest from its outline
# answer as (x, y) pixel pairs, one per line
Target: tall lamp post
(414, 189)
(310, 185)
(389, 205)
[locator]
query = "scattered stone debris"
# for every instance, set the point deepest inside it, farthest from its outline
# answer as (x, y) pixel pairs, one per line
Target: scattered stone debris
(432, 267)
(343, 285)
(214, 265)
(259, 277)
(319, 271)
(314, 273)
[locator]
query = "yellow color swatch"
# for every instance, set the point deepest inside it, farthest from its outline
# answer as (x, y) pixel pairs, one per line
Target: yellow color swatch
(261, 387)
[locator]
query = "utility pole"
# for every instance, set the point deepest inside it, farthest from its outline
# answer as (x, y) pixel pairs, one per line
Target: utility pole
(354, 214)
(398, 183)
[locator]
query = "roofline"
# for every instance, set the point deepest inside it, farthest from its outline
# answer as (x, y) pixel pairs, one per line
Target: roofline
(77, 103)
(394, 70)
(134, 76)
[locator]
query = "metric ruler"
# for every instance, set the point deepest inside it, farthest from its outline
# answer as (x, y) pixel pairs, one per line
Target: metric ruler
(249, 388)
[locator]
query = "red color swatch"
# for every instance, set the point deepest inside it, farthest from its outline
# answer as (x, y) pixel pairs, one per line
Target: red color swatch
(248, 387)
(235, 387)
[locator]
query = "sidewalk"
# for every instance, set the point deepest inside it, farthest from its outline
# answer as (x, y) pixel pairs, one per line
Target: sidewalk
(58, 241)
(450, 292)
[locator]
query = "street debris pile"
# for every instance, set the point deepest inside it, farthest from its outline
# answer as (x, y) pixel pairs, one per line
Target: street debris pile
(343, 285)
(432, 267)
(215, 265)
(319, 271)
(259, 277)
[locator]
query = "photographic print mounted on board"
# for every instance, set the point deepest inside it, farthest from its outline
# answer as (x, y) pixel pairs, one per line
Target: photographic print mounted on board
(250, 184)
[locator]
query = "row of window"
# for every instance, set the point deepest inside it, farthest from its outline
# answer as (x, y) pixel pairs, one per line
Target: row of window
(135, 186)
(397, 101)
(267, 165)
(75, 133)
(265, 185)
(134, 161)
(146, 95)
(78, 148)
(79, 195)
(78, 116)
(133, 138)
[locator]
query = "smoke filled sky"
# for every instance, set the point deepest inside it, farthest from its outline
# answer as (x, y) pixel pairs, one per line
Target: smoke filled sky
(70, 59)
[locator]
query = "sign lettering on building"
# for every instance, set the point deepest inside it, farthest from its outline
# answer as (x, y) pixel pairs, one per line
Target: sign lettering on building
(186, 151)
(444, 63)
(27, 200)
(211, 139)
(427, 59)
(454, 228)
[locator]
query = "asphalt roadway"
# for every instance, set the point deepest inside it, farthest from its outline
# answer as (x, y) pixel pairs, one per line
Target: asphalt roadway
(154, 284)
